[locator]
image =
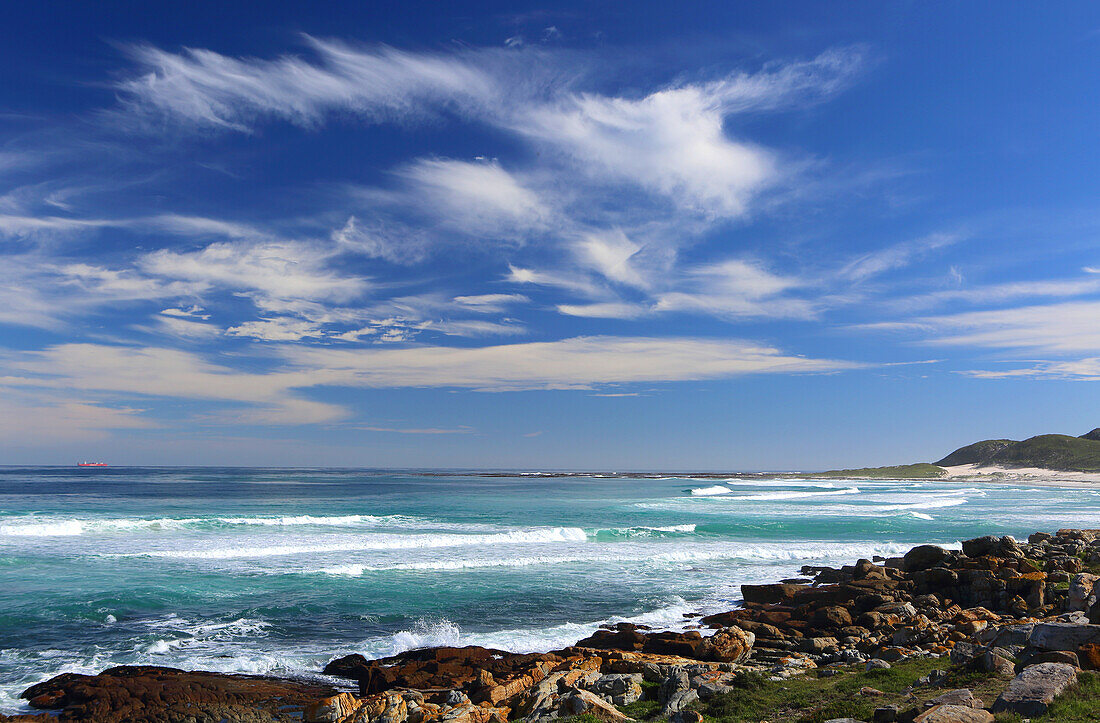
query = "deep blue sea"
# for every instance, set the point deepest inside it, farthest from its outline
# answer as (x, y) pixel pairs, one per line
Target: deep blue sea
(279, 570)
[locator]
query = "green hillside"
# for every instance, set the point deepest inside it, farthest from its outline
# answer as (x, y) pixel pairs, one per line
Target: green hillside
(921, 470)
(977, 453)
(1049, 451)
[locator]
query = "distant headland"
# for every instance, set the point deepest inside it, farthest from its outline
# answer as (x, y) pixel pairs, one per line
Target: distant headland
(1076, 457)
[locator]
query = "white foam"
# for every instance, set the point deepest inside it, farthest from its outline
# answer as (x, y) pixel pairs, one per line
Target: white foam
(776, 552)
(62, 528)
(793, 495)
(711, 491)
(41, 526)
(779, 483)
(645, 531)
(920, 515)
(377, 542)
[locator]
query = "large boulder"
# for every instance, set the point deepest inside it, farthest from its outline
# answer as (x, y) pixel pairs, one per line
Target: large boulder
(993, 547)
(1031, 692)
(1063, 636)
(770, 594)
(730, 645)
(1081, 591)
(619, 688)
(923, 557)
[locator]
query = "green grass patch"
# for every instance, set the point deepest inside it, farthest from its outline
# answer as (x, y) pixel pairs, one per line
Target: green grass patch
(641, 709)
(809, 699)
(1080, 703)
(583, 718)
(923, 470)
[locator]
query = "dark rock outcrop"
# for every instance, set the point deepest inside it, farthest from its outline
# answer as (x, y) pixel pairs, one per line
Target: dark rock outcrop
(156, 694)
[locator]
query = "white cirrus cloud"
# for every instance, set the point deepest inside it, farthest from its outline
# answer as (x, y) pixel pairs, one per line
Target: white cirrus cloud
(577, 363)
(112, 372)
(277, 269)
(490, 303)
(152, 372)
(277, 329)
(478, 198)
(207, 88)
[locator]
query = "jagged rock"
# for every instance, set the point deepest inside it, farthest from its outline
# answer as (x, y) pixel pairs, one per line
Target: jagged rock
(332, 709)
(676, 682)
(470, 713)
(619, 688)
(1081, 590)
(876, 664)
(954, 714)
(1032, 691)
(680, 701)
(998, 661)
(579, 702)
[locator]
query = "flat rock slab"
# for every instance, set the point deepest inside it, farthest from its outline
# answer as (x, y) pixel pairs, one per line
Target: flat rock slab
(1063, 636)
(960, 696)
(954, 714)
(1031, 692)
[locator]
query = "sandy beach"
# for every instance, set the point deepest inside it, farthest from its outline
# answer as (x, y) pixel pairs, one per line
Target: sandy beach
(1033, 476)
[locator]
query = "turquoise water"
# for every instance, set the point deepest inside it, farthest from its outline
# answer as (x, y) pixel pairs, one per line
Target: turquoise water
(266, 570)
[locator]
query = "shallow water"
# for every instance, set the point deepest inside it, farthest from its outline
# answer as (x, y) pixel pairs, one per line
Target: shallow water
(264, 570)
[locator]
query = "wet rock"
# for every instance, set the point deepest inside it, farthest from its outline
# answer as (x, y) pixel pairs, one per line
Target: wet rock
(1032, 691)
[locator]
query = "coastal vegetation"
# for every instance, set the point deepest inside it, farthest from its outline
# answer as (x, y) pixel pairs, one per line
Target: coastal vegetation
(998, 632)
(1047, 451)
(1059, 452)
(921, 470)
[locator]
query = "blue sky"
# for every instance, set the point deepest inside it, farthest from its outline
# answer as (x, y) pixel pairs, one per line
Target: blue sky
(573, 235)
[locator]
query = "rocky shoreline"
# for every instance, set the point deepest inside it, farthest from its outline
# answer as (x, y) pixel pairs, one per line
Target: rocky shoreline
(1026, 612)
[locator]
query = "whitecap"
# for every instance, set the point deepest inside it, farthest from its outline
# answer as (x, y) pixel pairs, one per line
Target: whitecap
(710, 491)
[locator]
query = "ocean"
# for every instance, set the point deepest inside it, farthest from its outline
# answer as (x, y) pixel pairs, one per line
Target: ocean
(280, 570)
